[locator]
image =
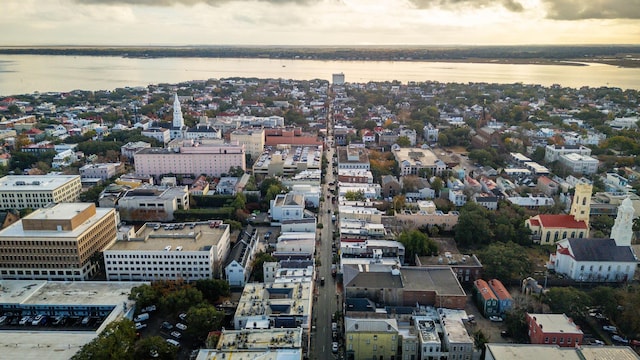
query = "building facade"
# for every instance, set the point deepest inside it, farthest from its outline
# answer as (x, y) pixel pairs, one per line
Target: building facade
(371, 338)
(191, 158)
(187, 251)
(36, 191)
(57, 243)
(253, 140)
(553, 329)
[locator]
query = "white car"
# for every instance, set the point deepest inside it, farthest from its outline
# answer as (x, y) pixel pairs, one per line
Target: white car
(334, 347)
(182, 316)
(176, 334)
(609, 328)
(495, 318)
(140, 326)
(25, 320)
(181, 326)
(619, 338)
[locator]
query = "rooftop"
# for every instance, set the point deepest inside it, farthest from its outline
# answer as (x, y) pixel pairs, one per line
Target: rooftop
(191, 236)
(278, 354)
(561, 221)
(264, 339)
(531, 351)
(425, 157)
(555, 323)
(34, 182)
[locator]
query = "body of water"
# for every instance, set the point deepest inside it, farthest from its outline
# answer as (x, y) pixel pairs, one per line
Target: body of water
(25, 74)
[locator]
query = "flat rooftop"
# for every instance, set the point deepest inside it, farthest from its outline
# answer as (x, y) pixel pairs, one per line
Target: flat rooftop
(278, 354)
(36, 292)
(198, 236)
(260, 339)
(556, 323)
(34, 182)
(531, 351)
(425, 157)
(16, 229)
(441, 279)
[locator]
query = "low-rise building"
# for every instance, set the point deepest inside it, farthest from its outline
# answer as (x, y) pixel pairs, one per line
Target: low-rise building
(129, 149)
(287, 160)
(353, 157)
(553, 152)
(153, 203)
(534, 351)
(187, 251)
(287, 207)
(579, 164)
(371, 338)
(486, 300)
(36, 191)
(553, 329)
(103, 171)
(240, 261)
(283, 305)
(253, 140)
(413, 161)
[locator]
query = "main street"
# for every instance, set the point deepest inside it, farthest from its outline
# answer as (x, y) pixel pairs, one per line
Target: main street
(327, 301)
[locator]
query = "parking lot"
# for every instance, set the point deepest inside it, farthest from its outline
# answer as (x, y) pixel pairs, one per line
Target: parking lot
(166, 326)
(11, 321)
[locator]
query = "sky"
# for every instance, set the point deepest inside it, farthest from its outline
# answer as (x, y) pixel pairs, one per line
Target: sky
(318, 22)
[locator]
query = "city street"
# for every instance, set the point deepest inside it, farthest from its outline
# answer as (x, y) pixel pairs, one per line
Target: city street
(327, 296)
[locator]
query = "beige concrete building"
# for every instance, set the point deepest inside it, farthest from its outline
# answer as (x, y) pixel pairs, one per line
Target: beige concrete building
(36, 191)
(57, 243)
(253, 140)
(188, 251)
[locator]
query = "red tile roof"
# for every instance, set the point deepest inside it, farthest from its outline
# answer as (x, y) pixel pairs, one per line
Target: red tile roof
(534, 222)
(561, 221)
(484, 290)
(499, 289)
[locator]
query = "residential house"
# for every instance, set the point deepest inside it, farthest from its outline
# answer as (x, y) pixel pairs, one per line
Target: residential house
(240, 261)
(390, 186)
(287, 207)
(505, 301)
(486, 299)
(371, 338)
(547, 186)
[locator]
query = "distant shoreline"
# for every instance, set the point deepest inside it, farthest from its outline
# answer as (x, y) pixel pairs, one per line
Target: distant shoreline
(621, 56)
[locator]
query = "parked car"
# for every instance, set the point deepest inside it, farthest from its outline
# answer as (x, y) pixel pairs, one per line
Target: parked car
(85, 320)
(176, 334)
(597, 342)
(609, 328)
(149, 308)
(3, 319)
(140, 326)
(635, 342)
(504, 333)
(141, 317)
(181, 326)
(334, 347)
(25, 320)
(183, 316)
(59, 320)
(173, 342)
(619, 338)
(495, 318)
(39, 320)
(334, 326)
(167, 325)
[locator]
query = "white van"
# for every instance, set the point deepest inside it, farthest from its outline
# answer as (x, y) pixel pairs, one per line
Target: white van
(173, 342)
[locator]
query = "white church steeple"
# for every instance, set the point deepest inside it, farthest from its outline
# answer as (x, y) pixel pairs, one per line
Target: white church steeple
(178, 120)
(622, 231)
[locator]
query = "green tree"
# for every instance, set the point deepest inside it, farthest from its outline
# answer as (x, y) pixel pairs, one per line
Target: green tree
(181, 298)
(474, 227)
(213, 289)
(568, 300)
(258, 271)
(505, 261)
(115, 342)
(403, 141)
(144, 295)
(437, 185)
(202, 319)
(480, 340)
(273, 191)
(515, 321)
(156, 345)
(355, 195)
(239, 202)
(417, 243)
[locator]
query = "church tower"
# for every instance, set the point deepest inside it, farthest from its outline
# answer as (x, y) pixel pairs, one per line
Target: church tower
(581, 205)
(621, 231)
(178, 121)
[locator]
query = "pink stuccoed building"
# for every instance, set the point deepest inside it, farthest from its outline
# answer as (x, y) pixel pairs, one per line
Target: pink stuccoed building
(191, 157)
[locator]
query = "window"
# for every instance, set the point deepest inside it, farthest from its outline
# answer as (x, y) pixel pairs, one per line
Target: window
(546, 340)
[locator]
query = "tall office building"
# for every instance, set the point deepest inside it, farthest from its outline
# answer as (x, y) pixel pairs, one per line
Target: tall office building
(57, 243)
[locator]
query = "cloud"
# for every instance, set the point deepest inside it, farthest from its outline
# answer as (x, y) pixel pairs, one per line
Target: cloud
(592, 9)
(511, 5)
(182, 2)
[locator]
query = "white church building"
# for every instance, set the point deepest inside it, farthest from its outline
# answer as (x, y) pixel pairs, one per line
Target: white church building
(599, 260)
(177, 127)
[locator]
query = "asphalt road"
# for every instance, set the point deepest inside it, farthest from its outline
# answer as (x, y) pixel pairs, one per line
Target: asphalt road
(328, 297)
